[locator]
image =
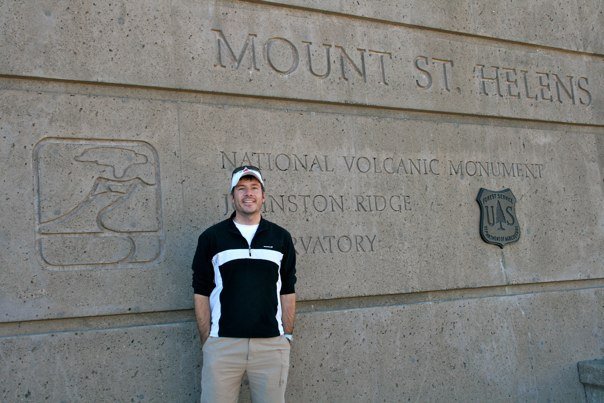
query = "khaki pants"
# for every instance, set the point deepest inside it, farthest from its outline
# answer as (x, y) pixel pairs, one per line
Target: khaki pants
(226, 359)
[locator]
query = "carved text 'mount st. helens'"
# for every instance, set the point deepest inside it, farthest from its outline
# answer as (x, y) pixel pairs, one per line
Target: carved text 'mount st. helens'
(380, 67)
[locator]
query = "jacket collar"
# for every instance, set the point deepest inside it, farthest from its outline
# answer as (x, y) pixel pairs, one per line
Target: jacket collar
(261, 226)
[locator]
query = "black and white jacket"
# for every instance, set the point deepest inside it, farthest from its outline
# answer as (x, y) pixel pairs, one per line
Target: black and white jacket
(244, 281)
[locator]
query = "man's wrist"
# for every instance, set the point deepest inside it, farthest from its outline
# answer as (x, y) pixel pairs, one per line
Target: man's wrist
(289, 337)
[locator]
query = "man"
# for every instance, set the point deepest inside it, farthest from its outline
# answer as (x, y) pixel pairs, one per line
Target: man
(244, 272)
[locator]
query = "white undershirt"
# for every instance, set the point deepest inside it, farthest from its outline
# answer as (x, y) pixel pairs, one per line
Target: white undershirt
(247, 231)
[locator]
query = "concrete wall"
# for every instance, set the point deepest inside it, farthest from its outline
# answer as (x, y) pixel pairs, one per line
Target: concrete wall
(375, 126)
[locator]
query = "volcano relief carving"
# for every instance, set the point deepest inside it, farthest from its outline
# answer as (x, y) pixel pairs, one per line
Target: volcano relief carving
(98, 203)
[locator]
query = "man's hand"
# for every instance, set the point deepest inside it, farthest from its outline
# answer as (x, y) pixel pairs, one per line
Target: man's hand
(288, 312)
(203, 316)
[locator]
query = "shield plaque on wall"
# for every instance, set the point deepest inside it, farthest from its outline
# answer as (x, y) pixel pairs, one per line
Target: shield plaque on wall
(498, 222)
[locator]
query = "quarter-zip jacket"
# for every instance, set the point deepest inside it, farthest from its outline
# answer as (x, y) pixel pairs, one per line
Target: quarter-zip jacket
(244, 281)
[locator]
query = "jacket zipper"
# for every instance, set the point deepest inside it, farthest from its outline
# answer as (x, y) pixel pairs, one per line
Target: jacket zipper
(249, 244)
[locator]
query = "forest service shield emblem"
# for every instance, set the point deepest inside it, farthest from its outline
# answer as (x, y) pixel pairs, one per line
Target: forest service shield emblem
(498, 222)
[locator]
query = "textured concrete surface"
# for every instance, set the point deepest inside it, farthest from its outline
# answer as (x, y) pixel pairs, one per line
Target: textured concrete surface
(376, 127)
(494, 348)
(76, 262)
(242, 48)
(572, 25)
(393, 193)
(512, 348)
(141, 364)
(591, 374)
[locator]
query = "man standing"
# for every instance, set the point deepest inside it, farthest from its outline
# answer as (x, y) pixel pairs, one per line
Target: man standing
(244, 272)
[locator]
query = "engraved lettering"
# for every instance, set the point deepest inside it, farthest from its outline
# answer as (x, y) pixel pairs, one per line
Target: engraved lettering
(526, 86)
(496, 169)
(382, 66)
(330, 244)
(482, 168)
(379, 203)
(279, 161)
(246, 159)
(319, 163)
(249, 41)
(483, 79)
(361, 203)
(371, 241)
(377, 168)
(511, 82)
(434, 167)
(363, 164)
(569, 91)
(358, 240)
(390, 162)
(401, 164)
(231, 162)
(344, 244)
(426, 83)
(284, 56)
(318, 244)
(295, 58)
(545, 89)
(282, 162)
(539, 85)
(412, 165)
(302, 163)
(327, 60)
(360, 70)
(329, 239)
(348, 165)
(304, 244)
(319, 203)
(582, 84)
(447, 65)
(303, 203)
(453, 170)
(405, 166)
(428, 64)
(470, 168)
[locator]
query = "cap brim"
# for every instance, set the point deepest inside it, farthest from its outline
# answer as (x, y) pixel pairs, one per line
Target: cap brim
(247, 172)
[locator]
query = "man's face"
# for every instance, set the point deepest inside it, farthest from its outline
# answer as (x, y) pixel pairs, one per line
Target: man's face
(248, 196)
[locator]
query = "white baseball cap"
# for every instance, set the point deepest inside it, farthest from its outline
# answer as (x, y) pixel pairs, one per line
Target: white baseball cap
(245, 170)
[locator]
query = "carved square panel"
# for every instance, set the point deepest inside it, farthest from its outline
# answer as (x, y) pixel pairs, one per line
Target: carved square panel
(98, 203)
